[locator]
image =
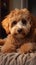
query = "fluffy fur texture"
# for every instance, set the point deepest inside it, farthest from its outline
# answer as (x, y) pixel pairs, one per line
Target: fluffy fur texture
(22, 28)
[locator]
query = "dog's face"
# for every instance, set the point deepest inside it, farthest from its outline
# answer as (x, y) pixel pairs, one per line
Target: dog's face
(20, 24)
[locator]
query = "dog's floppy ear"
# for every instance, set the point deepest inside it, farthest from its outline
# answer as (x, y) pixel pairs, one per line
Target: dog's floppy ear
(5, 22)
(5, 25)
(33, 20)
(34, 26)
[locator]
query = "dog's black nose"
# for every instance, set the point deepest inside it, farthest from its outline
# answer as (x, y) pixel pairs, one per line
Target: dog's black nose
(19, 30)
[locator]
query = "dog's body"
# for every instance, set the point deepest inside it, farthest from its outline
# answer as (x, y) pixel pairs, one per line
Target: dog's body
(22, 37)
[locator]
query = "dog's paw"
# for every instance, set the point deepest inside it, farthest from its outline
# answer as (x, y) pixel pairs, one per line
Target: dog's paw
(26, 48)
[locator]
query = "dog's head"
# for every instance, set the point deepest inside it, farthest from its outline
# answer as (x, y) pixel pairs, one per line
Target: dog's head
(20, 24)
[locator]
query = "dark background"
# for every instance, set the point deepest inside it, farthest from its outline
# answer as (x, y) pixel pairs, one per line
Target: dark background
(32, 6)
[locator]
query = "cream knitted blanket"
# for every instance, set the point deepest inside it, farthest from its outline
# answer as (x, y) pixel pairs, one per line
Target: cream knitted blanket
(17, 59)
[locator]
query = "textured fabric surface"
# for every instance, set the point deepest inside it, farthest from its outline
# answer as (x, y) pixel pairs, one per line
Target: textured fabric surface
(17, 59)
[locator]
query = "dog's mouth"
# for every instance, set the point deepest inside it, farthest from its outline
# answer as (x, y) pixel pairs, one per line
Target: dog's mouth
(19, 35)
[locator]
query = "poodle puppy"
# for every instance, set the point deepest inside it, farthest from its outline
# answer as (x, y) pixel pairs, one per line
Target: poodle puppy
(22, 27)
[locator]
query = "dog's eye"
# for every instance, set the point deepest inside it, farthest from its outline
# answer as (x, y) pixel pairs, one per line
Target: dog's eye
(24, 21)
(14, 23)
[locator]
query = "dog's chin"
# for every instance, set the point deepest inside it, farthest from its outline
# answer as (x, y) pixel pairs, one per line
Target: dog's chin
(19, 36)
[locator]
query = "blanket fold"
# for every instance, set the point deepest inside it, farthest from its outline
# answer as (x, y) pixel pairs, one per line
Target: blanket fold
(18, 59)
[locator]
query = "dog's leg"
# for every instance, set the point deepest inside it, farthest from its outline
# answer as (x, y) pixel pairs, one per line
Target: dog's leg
(8, 46)
(27, 47)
